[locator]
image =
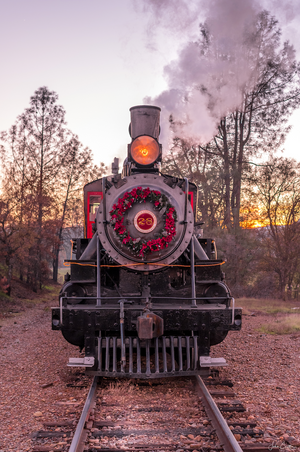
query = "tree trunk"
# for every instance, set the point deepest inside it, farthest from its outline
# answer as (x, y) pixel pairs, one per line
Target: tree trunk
(227, 219)
(55, 262)
(55, 265)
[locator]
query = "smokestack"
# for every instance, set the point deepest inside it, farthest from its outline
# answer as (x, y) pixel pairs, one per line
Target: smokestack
(144, 121)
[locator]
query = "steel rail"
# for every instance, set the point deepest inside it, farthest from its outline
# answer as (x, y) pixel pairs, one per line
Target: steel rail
(225, 435)
(78, 435)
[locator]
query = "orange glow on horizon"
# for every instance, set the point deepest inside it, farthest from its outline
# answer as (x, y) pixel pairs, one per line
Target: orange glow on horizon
(252, 224)
(252, 217)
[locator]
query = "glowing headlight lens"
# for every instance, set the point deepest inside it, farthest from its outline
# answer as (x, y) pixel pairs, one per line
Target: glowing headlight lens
(144, 150)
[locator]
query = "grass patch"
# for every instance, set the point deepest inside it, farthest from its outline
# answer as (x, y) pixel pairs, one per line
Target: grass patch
(267, 306)
(49, 288)
(4, 296)
(22, 298)
(32, 301)
(288, 324)
(49, 294)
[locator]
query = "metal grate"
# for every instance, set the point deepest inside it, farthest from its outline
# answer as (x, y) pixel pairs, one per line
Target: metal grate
(163, 356)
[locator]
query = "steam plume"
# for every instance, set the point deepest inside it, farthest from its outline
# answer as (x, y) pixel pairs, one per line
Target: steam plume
(204, 85)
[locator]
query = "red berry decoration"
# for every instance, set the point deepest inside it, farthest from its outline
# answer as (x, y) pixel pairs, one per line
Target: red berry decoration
(143, 247)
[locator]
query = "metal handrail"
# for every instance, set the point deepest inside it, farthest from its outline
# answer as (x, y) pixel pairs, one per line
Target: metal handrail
(138, 297)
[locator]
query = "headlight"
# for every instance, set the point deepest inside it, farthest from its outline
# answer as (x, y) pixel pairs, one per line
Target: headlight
(145, 150)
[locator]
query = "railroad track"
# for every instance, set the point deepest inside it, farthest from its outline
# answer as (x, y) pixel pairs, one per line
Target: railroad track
(168, 415)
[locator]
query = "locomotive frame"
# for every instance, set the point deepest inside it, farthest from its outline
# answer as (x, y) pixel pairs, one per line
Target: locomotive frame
(146, 295)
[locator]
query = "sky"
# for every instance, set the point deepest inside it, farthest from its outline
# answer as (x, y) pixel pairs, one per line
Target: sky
(102, 58)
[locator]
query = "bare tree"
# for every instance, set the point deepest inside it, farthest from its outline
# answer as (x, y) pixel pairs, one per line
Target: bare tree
(277, 189)
(37, 162)
(78, 169)
(187, 159)
(16, 232)
(259, 125)
(267, 97)
(36, 150)
(44, 170)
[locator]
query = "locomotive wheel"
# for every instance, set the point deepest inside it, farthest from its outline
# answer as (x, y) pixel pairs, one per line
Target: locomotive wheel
(74, 292)
(216, 290)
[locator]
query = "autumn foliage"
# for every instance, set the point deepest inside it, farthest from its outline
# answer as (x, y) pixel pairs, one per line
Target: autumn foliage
(44, 168)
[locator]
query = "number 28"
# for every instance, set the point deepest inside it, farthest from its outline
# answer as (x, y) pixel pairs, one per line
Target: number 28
(145, 221)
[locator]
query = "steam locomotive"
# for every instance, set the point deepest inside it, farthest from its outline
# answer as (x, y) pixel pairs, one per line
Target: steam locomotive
(146, 295)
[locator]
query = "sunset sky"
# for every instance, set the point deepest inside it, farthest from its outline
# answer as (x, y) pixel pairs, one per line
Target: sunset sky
(102, 58)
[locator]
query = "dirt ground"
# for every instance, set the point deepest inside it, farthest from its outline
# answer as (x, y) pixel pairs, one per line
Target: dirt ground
(265, 370)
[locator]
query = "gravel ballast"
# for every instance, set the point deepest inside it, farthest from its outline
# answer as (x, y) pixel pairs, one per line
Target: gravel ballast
(265, 370)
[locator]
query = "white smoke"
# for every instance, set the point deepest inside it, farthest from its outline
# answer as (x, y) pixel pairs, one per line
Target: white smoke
(203, 87)
(177, 16)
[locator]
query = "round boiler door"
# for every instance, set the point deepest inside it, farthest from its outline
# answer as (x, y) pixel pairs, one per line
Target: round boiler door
(145, 221)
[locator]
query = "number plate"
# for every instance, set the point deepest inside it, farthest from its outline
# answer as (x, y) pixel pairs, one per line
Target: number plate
(145, 221)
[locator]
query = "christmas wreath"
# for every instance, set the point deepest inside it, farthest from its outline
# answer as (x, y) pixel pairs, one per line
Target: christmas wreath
(140, 246)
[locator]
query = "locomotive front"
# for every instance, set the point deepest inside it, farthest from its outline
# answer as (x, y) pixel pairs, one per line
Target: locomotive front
(146, 295)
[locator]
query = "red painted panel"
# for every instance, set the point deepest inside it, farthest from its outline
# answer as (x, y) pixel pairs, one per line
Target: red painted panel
(191, 198)
(94, 198)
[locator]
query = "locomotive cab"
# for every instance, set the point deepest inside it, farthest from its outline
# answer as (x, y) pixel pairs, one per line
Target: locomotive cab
(146, 296)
